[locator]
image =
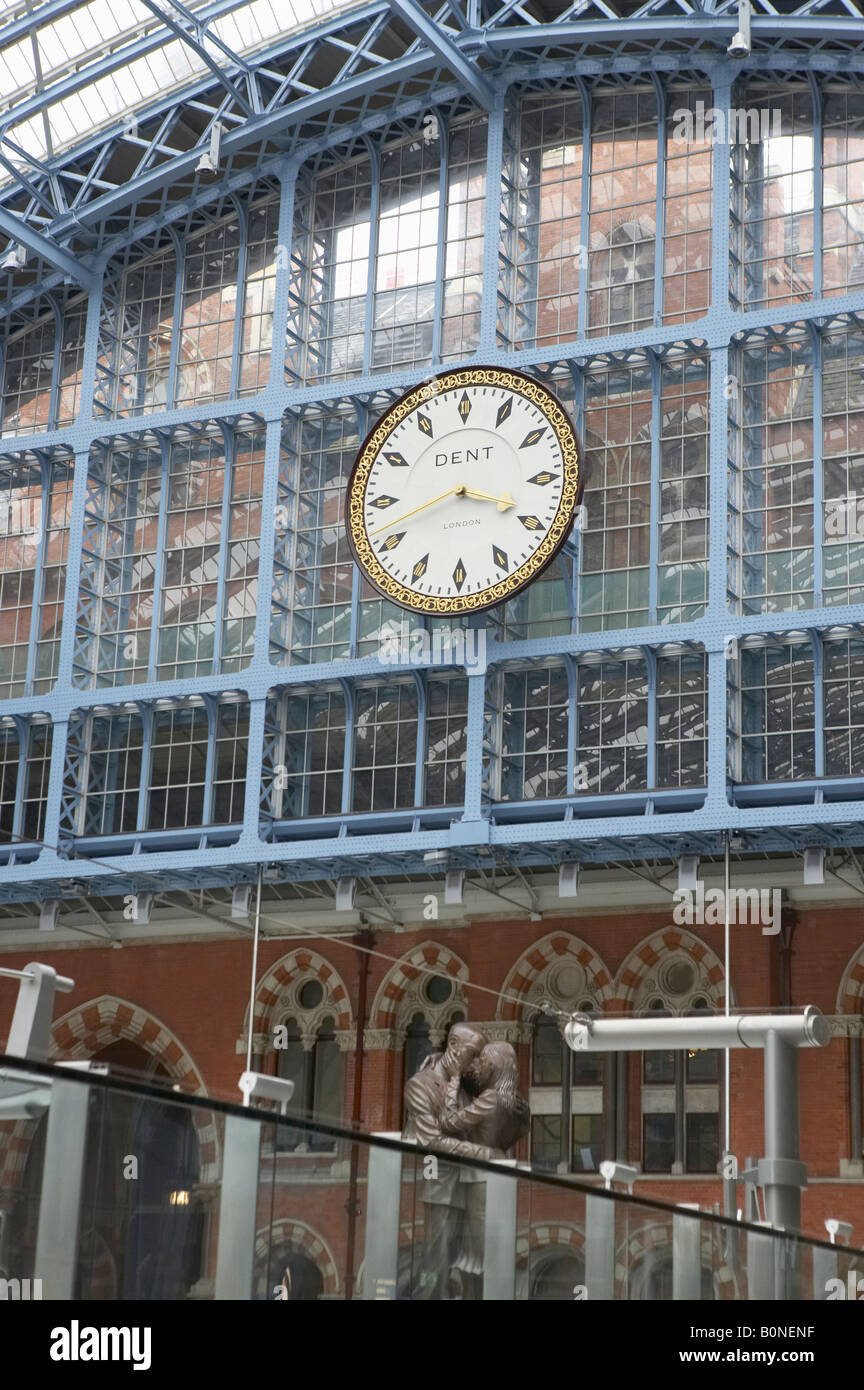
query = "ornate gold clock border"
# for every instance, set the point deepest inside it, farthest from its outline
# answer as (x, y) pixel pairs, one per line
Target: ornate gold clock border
(364, 554)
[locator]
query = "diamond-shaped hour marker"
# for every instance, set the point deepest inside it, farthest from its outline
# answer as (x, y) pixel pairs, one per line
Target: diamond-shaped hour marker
(383, 501)
(420, 568)
(425, 424)
(531, 523)
(500, 557)
(504, 411)
(532, 437)
(465, 405)
(396, 461)
(390, 542)
(543, 478)
(459, 575)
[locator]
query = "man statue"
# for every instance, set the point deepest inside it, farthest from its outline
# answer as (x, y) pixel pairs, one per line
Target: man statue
(443, 1192)
(497, 1116)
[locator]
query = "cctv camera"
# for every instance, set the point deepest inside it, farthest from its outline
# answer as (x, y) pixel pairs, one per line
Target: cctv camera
(836, 1228)
(611, 1171)
(739, 47)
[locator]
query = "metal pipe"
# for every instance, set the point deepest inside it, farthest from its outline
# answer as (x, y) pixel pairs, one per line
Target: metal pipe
(781, 1174)
(366, 940)
(254, 979)
(727, 990)
(855, 1098)
(807, 1029)
(62, 982)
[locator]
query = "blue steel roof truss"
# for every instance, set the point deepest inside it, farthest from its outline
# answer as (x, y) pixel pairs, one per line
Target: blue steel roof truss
(261, 99)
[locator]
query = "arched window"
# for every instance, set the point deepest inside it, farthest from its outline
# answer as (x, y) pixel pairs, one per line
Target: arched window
(429, 1011)
(680, 1089)
(308, 1054)
(417, 1045)
(651, 1278)
(567, 1124)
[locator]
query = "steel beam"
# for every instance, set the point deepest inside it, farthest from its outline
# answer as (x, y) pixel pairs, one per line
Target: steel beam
(437, 38)
(38, 244)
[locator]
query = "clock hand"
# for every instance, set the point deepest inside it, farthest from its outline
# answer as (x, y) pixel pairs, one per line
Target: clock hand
(503, 502)
(459, 490)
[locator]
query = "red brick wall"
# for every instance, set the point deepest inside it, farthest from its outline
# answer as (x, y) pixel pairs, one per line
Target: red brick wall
(200, 993)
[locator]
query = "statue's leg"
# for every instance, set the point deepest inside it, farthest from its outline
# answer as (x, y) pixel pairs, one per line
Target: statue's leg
(437, 1251)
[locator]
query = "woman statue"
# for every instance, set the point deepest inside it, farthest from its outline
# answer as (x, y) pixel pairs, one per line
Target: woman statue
(496, 1118)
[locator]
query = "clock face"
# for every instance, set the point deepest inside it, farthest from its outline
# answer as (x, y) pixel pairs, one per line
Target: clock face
(464, 491)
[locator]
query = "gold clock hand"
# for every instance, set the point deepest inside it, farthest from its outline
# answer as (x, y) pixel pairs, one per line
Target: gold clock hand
(503, 502)
(394, 521)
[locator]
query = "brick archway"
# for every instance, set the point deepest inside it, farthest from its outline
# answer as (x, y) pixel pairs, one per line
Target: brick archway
(552, 1236)
(658, 1236)
(430, 955)
(557, 946)
(645, 957)
(82, 1033)
(850, 994)
(301, 1240)
(305, 964)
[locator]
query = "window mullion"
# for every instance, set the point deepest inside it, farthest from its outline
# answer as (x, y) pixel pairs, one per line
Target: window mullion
(655, 491)
(659, 205)
(159, 561)
(374, 222)
(653, 732)
(818, 181)
(240, 295)
(146, 777)
(679, 1164)
(584, 211)
(229, 446)
(492, 227)
(176, 319)
(348, 759)
(818, 477)
(441, 249)
(54, 391)
(45, 471)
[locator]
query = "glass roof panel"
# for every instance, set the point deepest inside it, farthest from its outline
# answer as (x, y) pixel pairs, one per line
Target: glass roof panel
(72, 37)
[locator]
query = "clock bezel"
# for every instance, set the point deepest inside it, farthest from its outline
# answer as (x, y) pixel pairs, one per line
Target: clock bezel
(507, 378)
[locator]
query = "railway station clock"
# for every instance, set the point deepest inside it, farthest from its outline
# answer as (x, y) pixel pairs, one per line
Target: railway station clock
(464, 491)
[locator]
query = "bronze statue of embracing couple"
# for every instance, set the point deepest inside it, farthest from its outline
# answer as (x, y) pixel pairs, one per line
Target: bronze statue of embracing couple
(463, 1101)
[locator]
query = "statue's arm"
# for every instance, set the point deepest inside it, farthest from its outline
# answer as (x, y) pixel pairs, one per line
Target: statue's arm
(459, 1119)
(427, 1127)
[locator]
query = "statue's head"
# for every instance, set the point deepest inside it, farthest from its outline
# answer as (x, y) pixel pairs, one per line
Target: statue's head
(496, 1064)
(464, 1045)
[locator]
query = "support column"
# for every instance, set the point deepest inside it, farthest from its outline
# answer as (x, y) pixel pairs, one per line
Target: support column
(383, 1192)
(600, 1249)
(781, 1174)
(499, 1241)
(56, 1262)
(687, 1256)
(238, 1207)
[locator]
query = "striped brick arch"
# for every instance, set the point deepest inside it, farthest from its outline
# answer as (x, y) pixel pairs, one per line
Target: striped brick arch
(296, 965)
(521, 986)
(300, 1239)
(850, 995)
(82, 1033)
(658, 1236)
(550, 1236)
(644, 959)
(404, 975)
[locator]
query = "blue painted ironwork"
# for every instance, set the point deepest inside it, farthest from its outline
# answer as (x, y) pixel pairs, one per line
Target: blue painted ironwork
(483, 829)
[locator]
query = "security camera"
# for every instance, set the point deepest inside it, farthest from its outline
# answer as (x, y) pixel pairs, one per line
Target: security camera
(740, 45)
(15, 257)
(612, 1171)
(256, 1086)
(836, 1228)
